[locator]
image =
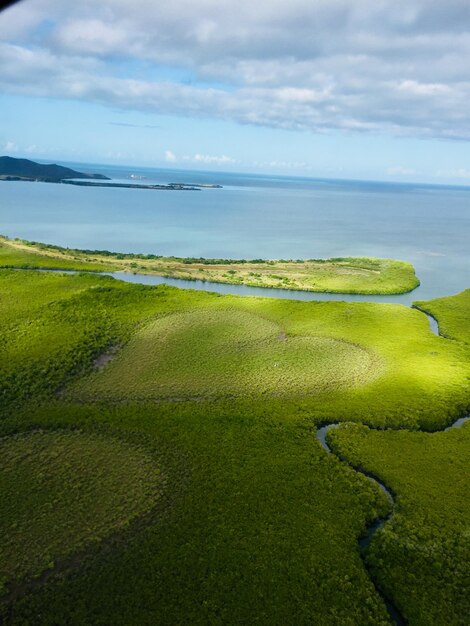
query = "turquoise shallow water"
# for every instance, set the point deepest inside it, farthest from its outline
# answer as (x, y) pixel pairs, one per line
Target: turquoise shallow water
(253, 217)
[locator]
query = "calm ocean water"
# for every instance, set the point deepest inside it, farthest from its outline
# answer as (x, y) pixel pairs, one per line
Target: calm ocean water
(252, 217)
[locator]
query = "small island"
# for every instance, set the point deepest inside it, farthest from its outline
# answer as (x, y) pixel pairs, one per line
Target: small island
(169, 187)
(12, 169)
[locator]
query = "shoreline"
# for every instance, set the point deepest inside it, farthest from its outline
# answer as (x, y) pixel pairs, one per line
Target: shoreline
(362, 276)
(169, 187)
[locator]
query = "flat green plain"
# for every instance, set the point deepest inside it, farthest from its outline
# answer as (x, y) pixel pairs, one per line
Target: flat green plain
(62, 491)
(256, 523)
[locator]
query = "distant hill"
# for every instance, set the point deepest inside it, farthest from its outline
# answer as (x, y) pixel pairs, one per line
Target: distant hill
(23, 169)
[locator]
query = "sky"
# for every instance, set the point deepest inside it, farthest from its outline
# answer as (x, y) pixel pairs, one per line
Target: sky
(361, 89)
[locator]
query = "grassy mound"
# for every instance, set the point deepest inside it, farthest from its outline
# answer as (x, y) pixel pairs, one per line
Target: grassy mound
(212, 353)
(421, 555)
(61, 491)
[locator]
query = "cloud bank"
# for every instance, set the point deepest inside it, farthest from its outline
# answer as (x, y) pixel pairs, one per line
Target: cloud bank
(389, 66)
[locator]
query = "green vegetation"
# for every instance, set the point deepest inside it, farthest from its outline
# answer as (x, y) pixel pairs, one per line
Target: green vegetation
(61, 491)
(24, 169)
(341, 275)
(213, 353)
(421, 556)
(256, 523)
(453, 314)
(262, 528)
(13, 255)
(413, 377)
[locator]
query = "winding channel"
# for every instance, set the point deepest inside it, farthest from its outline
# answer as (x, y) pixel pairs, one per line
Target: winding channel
(364, 540)
(367, 536)
(322, 432)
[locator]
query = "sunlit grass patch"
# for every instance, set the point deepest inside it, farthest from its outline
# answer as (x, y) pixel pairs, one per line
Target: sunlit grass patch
(452, 313)
(62, 491)
(340, 275)
(15, 254)
(209, 353)
(54, 327)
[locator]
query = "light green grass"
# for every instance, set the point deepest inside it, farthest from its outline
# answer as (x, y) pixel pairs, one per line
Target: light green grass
(23, 294)
(213, 353)
(452, 313)
(403, 374)
(28, 257)
(342, 275)
(378, 364)
(422, 555)
(62, 491)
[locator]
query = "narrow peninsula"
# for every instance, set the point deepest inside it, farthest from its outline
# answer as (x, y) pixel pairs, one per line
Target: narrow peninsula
(353, 275)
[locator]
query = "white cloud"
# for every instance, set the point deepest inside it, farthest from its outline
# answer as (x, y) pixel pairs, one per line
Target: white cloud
(210, 159)
(170, 156)
(395, 66)
(10, 146)
(92, 36)
(290, 165)
(459, 172)
(198, 158)
(422, 89)
(399, 170)
(117, 155)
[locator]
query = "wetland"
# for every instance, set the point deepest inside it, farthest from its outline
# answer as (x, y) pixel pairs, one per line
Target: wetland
(163, 449)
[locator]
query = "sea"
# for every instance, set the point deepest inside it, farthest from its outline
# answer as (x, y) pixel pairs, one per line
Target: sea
(253, 216)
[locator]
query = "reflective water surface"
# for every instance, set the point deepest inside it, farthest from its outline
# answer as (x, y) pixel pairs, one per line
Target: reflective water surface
(255, 217)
